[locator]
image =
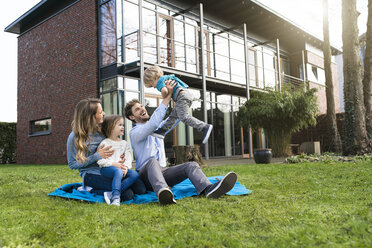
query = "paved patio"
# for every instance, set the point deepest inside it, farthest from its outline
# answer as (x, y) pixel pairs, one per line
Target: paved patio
(237, 160)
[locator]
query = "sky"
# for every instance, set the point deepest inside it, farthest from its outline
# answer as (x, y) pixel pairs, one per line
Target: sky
(305, 13)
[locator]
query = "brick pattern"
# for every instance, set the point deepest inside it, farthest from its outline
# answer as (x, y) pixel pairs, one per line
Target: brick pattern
(321, 94)
(57, 67)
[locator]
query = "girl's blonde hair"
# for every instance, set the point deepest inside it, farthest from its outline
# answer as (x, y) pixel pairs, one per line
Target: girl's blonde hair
(84, 123)
(151, 74)
(109, 123)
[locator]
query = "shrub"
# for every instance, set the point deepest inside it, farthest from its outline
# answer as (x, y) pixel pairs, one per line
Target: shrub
(280, 114)
(327, 158)
(8, 142)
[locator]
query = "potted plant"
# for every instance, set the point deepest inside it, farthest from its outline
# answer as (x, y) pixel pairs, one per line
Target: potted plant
(262, 156)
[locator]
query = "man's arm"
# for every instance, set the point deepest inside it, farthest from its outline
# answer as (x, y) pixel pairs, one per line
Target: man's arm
(141, 132)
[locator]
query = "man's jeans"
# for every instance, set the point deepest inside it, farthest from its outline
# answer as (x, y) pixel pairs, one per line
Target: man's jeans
(126, 187)
(156, 177)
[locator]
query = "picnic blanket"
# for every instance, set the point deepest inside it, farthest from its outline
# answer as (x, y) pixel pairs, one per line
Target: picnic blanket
(181, 190)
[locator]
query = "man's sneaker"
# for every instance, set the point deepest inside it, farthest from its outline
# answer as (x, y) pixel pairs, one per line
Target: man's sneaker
(221, 187)
(166, 197)
(206, 132)
(116, 202)
(107, 196)
(159, 133)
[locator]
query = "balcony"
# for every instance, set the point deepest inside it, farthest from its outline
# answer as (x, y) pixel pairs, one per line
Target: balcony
(172, 40)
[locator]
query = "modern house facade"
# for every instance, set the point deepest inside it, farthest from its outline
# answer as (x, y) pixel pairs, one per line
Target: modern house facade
(73, 49)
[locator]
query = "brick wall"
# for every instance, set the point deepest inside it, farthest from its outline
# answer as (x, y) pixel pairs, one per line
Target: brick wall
(57, 67)
(321, 94)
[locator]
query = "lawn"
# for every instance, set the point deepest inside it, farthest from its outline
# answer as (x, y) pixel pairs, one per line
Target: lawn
(305, 205)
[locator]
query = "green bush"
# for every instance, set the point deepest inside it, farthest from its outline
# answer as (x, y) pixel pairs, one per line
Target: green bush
(8, 142)
(279, 114)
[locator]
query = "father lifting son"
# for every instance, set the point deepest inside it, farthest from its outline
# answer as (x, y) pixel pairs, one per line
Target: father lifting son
(150, 156)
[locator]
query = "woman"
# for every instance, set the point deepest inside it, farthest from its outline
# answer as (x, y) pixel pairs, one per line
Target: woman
(83, 150)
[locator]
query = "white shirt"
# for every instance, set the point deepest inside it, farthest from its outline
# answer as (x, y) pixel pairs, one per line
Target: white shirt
(120, 147)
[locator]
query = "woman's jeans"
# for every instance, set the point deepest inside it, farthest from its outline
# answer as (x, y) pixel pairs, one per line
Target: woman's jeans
(111, 179)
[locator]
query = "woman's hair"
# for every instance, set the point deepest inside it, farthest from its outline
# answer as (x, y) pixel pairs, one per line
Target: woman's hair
(151, 74)
(83, 124)
(109, 123)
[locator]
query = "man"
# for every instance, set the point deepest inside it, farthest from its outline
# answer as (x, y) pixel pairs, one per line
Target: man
(150, 156)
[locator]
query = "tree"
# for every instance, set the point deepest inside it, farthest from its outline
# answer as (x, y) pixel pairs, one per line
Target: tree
(367, 79)
(335, 142)
(355, 134)
(280, 114)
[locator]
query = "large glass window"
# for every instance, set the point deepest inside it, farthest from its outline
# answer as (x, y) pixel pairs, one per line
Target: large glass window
(222, 57)
(110, 103)
(237, 131)
(149, 36)
(108, 33)
(179, 47)
(260, 71)
(237, 62)
(110, 84)
(269, 67)
(252, 62)
(190, 48)
(130, 31)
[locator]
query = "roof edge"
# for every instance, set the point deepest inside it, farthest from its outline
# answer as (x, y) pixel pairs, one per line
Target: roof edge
(11, 27)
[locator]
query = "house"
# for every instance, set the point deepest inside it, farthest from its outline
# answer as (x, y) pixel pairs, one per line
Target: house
(72, 49)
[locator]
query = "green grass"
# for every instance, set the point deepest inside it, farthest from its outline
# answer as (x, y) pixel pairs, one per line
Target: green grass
(292, 205)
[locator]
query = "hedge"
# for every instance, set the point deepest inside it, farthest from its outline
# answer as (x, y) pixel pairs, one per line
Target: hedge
(8, 142)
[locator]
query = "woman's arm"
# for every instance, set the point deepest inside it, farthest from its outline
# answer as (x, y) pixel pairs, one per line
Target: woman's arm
(71, 155)
(106, 162)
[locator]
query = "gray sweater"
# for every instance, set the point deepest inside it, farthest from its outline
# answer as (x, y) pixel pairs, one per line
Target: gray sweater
(90, 166)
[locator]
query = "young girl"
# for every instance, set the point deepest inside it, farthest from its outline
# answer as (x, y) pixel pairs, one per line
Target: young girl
(153, 77)
(120, 173)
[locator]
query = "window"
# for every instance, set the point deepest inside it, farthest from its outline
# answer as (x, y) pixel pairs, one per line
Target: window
(315, 74)
(41, 127)
(108, 33)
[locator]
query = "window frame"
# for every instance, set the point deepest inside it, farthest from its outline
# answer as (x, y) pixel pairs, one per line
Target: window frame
(33, 133)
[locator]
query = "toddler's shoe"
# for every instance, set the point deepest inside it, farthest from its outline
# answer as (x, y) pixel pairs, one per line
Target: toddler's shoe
(207, 132)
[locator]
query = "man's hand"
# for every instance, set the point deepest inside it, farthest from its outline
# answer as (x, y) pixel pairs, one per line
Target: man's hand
(105, 152)
(124, 170)
(169, 84)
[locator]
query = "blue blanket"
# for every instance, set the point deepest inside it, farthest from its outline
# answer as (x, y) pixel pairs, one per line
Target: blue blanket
(181, 190)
